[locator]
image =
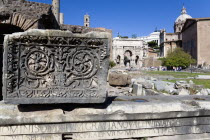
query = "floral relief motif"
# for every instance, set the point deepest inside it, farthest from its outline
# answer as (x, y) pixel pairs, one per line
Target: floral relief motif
(54, 67)
(37, 62)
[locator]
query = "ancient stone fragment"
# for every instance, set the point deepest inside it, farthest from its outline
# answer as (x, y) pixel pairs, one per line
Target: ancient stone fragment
(49, 66)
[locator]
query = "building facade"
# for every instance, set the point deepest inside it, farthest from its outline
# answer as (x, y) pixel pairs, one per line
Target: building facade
(170, 41)
(154, 36)
(129, 51)
(196, 41)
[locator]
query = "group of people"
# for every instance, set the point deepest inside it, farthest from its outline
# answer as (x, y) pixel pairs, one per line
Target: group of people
(177, 68)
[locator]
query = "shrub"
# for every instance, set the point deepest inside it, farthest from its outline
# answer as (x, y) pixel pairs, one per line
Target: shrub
(112, 64)
(153, 44)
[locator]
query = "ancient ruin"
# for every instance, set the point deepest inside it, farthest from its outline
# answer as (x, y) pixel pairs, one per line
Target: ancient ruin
(55, 85)
(22, 15)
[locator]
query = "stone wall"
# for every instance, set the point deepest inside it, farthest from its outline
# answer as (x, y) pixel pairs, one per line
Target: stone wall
(203, 42)
(189, 41)
(169, 41)
(152, 62)
(82, 29)
(28, 15)
(196, 41)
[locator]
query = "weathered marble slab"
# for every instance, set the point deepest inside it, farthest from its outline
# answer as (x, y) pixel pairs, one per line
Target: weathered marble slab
(121, 108)
(52, 66)
(206, 77)
(63, 128)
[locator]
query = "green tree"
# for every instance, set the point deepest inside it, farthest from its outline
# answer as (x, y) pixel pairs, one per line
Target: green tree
(178, 58)
(112, 64)
(153, 44)
(124, 37)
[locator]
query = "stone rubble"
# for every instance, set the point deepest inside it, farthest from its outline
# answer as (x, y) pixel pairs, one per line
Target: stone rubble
(119, 78)
(148, 85)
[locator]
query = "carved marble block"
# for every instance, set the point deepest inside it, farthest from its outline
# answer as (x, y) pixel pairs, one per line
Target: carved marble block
(49, 66)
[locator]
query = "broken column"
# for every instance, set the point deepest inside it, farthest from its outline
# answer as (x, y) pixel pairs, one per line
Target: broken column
(56, 9)
(61, 18)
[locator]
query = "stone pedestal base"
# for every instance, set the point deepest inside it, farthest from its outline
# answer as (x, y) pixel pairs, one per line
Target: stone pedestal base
(152, 117)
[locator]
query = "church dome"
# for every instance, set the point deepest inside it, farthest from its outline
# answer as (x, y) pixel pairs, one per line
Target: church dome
(183, 16)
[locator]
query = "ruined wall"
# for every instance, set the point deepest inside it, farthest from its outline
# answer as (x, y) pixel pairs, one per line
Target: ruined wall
(82, 29)
(152, 62)
(28, 15)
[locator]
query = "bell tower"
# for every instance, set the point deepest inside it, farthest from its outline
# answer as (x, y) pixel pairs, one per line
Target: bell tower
(87, 20)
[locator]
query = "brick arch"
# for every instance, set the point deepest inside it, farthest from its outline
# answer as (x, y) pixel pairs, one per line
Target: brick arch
(22, 21)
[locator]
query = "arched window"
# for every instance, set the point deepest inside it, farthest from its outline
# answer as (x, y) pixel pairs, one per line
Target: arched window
(127, 57)
(118, 59)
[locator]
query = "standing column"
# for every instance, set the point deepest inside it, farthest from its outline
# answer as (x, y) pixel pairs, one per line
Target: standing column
(56, 9)
(61, 18)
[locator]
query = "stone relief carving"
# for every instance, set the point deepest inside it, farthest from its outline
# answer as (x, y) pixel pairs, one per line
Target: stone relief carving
(40, 67)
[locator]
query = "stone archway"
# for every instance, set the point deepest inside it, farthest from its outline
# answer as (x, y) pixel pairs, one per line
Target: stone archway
(5, 29)
(127, 57)
(8, 29)
(21, 21)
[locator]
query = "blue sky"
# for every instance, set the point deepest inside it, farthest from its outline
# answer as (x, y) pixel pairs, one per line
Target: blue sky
(129, 17)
